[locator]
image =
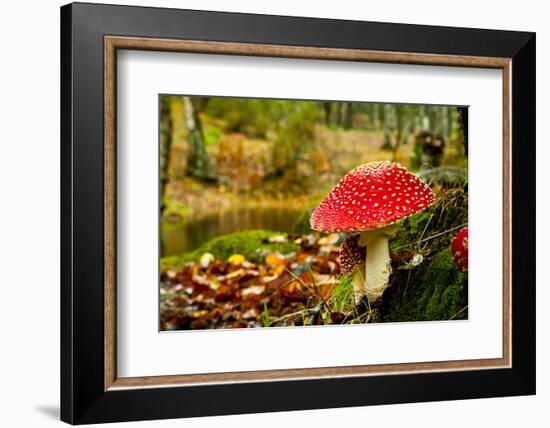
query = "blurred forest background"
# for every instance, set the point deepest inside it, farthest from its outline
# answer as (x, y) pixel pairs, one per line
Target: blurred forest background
(235, 164)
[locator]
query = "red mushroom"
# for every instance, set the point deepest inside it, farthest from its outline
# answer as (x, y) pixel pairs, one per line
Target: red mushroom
(352, 263)
(370, 199)
(459, 247)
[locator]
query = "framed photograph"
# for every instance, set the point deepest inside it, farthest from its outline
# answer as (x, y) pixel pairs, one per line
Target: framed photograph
(257, 207)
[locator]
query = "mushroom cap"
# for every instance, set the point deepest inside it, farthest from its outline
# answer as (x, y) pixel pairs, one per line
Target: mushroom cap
(351, 255)
(371, 196)
(459, 247)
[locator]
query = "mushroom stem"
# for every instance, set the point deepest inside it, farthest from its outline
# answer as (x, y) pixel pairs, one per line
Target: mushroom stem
(377, 262)
(358, 282)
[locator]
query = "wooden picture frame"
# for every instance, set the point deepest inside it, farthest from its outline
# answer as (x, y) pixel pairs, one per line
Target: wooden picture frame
(91, 390)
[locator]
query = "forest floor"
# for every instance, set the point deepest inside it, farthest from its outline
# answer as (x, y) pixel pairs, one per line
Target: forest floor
(271, 279)
(234, 293)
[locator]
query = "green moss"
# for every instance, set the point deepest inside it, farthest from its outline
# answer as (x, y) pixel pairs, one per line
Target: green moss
(442, 270)
(411, 229)
(436, 292)
(343, 295)
(432, 230)
(416, 224)
(453, 299)
(433, 289)
(252, 244)
(448, 176)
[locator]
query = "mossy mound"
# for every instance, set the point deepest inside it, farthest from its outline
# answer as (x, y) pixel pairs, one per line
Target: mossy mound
(434, 289)
(448, 176)
(252, 244)
(432, 230)
(438, 292)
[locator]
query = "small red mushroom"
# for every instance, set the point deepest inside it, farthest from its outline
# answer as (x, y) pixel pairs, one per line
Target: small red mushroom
(459, 247)
(352, 263)
(370, 199)
(351, 255)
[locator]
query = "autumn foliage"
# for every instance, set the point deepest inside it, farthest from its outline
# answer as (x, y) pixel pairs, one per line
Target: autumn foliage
(233, 293)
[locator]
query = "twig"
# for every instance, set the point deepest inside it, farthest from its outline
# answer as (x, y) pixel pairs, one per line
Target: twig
(443, 207)
(406, 286)
(366, 315)
(425, 228)
(459, 312)
(435, 236)
(312, 289)
(300, 280)
(444, 232)
(292, 315)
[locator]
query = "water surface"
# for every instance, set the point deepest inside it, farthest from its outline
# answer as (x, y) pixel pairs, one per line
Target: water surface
(180, 238)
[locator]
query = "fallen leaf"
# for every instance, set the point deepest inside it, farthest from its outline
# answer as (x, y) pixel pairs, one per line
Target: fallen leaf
(201, 313)
(275, 259)
(325, 290)
(238, 324)
(234, 274)
(277, 239)
(278, 270)
(206, 259)
(248, 265)
(332, 266)
(291, 289)
(321, 279)
(199, 279)
(236, 259)
(269, 278)
(254, 290)
(250, 314)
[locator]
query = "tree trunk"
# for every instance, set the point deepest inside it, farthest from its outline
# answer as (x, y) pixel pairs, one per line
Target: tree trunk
(339, 114)
(328, 110)
(348, 117)
(419, 119)
(375, 117)
(165, 145)
(399, 126)
(463, 124)
(389, 126)
(198, 165)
